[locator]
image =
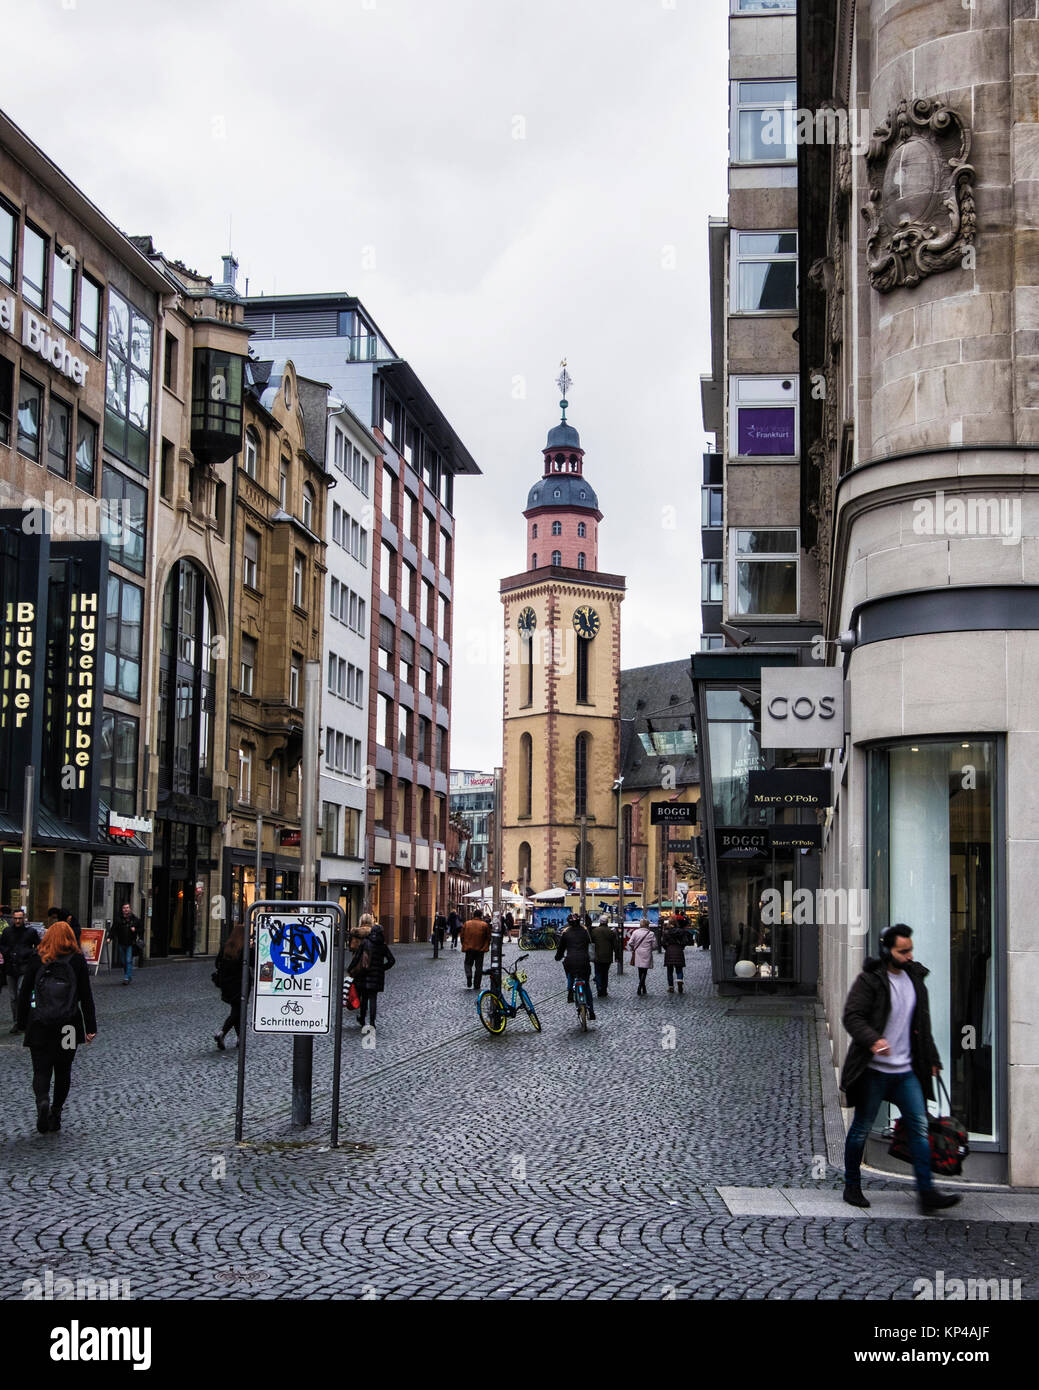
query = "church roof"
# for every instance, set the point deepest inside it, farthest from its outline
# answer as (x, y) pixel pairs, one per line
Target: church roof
(562, 490)
(563, 436)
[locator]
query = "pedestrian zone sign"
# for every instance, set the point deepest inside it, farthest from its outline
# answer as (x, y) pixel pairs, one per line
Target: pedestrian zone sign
(292, 984)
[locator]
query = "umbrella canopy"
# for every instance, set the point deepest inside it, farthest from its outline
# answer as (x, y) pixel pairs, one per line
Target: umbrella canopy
(507, 896)
(553, 895)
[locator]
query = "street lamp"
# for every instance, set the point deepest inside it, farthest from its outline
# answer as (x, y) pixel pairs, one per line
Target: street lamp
(618, 787)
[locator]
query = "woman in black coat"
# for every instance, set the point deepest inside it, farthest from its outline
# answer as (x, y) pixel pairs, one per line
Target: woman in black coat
(227, 976)
(674, 939)
(368, 966)
(573, 948)
(52, 1042)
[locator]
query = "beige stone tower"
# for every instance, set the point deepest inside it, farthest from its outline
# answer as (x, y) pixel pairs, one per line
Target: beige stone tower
(562, 679)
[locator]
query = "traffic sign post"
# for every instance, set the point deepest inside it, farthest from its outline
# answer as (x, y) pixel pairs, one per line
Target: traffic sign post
(290, 973)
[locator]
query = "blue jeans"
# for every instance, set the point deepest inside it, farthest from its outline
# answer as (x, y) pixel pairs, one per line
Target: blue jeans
(127, 962)
(904, 1091)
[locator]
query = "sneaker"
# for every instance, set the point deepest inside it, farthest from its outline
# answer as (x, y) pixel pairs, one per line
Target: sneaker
(43, 1114)
(54, 1123)
(218, 1038)
(938, 1201)
(853, 1195)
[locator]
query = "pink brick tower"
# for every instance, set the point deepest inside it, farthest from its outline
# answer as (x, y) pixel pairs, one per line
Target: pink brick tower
(562, 509)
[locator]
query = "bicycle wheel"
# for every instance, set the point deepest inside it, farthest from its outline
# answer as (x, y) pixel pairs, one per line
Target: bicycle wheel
(581, 995)
(525, 1001)
(524, 942)
(582, 1014)
(492, 1015)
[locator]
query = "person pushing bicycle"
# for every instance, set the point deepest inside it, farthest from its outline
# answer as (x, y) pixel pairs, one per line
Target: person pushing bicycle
(573, 950)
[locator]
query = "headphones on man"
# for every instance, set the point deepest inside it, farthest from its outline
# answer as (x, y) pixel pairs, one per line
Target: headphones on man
(890, 935)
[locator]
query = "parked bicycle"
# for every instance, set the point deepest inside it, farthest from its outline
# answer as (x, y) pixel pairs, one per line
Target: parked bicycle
(495, 1010)
(537, 938)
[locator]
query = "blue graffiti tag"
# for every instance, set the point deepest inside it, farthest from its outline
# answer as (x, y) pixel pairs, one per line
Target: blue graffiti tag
(295, 949)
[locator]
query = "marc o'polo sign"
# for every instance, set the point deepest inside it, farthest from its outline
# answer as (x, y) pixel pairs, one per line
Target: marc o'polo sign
(794, 786)
(802, 707)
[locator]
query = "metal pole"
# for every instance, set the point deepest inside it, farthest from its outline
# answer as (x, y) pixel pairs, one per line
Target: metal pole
(337, 1004)
(258, 893)
(28, 813)
(243, 1014)
(584, 860)
(619, 787)
(303, 1048)
(496, 930)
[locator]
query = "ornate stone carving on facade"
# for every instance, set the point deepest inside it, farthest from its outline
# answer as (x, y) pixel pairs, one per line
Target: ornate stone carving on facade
(920, 218)
(842, 176)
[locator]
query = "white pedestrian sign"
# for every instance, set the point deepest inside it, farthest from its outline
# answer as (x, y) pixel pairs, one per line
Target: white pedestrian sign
(293, 971)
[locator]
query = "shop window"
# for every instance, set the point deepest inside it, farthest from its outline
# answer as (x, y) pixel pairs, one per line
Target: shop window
(933, 865)
(123, 626)
(764, 573)
(763, 277)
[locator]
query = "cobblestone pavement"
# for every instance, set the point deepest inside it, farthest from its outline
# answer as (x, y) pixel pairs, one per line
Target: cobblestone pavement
(531, 1166)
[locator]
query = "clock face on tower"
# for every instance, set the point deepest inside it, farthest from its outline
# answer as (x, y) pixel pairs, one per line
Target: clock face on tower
(586, 622)
(527, 620)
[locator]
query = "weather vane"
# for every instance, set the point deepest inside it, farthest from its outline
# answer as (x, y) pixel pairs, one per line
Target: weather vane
(564, 382)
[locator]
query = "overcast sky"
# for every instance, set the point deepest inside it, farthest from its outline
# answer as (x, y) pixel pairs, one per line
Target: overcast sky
(502, 183)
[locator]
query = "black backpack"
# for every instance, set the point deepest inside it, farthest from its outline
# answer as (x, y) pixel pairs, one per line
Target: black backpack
(55, 993)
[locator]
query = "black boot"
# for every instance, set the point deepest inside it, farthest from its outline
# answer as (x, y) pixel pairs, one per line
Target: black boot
(853, 1195)
(54, 1123)
(938, 1201)
(43, 1114)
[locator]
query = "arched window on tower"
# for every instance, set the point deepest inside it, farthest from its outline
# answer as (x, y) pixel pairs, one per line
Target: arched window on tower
(573, 463)
(557, 558)
(534, 531)
(534, 560)
(581, 775)
(581, 529)
(580, 560)
(557, 528)
(526, 775)
(523, 872)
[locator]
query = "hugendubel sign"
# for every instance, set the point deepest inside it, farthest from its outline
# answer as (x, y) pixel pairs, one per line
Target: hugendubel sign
(802, 707)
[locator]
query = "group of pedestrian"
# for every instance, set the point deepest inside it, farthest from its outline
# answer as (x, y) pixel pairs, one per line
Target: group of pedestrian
(670, 937)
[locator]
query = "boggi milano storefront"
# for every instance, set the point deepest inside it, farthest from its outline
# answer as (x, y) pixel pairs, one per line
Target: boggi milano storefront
(761, 831)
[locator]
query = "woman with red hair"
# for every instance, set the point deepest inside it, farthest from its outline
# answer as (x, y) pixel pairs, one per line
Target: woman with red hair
(56, 1010)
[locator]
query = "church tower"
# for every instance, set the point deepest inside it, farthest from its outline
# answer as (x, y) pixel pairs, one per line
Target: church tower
(562, 678)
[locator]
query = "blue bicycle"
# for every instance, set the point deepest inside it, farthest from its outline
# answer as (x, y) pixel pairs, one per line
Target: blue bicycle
(495, 1010)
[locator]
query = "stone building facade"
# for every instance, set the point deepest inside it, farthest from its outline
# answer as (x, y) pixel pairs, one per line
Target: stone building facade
(920, 497)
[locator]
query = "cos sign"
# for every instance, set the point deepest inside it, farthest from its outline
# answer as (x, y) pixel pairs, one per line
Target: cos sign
(802, 707)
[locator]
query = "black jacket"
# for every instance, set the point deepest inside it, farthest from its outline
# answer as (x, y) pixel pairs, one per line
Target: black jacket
(84, 1019)
(605, 940)
(18, 948)
(127, 930)
(371, 959)
(866, 1013)
(573, 950)
(228, 971)
(675, 940)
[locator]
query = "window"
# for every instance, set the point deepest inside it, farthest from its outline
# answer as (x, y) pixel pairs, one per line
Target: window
(710, 581)
(445, 552)
(90, 314)
(763, 416)
(64, 291)
(8, 233)
(337, 674)
(711, 507)
(441, 748)
(283, 486)
(251, 453)
(275, 784)
(129, 503)
(187, 682)
(245, 774)
(34, 268)
(425, 671)
(295, 679)
(6, 394)
(582, 665)
(410, 505)
(557, 528)
(247, 668)
(765, 6)
(297, 580)
(407, 588)
(389, 485)
(308, 506)
(128, 382)
(428, 604)
(429, 535)
(534, 560)
(330, 828)
(424, 729)
(59, 425)
(251, 558)
(123, 627)
(443, 682)
(581, 773)
(30, 406)
(386, 559)
(527, 656)
(526, 775)
(382, 722)
(170, 354)
(557, 558)
(711, 641)
(119, 733)
(763, 117)
(355, 685)
(443, 617)
(764, 272)
(403, 730)
(581, 530)
(403, 807)
(580, 560)
(764, 573)
(534, 532)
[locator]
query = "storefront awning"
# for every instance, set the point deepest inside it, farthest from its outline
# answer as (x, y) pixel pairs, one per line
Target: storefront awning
(54, 833)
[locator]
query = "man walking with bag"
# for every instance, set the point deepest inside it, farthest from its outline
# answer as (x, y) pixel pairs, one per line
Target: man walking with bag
(476, 939)
(892, 1058)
